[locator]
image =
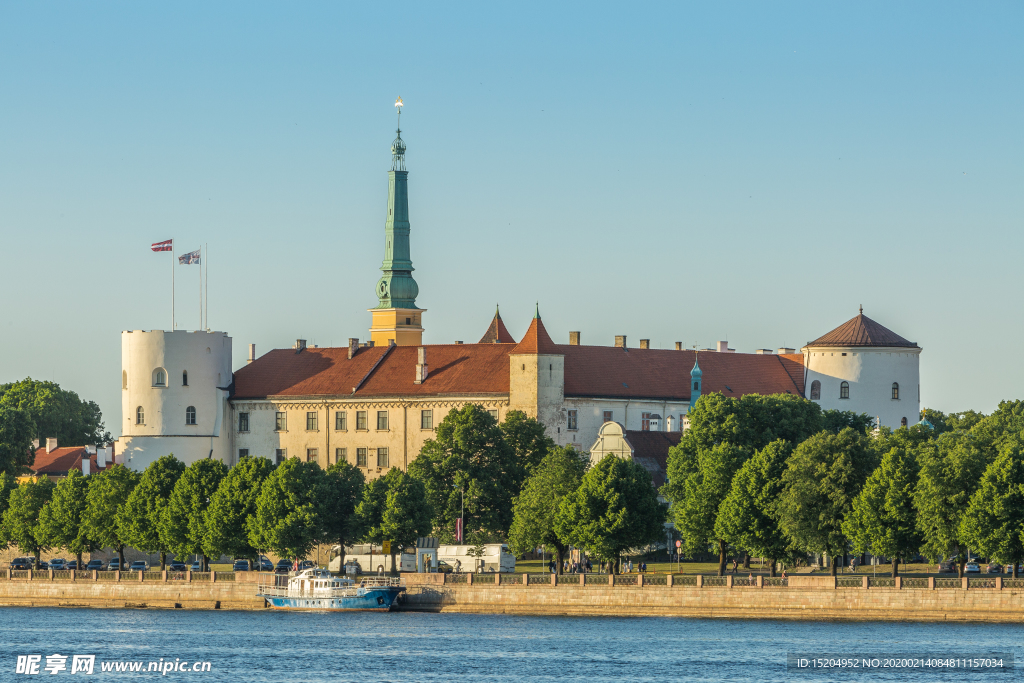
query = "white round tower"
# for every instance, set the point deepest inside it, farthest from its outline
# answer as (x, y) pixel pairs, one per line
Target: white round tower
(174, 390)
(865, 368)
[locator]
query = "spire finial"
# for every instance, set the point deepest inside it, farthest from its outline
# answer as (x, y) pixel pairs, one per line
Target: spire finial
(536, 315)
(862, 309)
(398, 146)
(497, 311)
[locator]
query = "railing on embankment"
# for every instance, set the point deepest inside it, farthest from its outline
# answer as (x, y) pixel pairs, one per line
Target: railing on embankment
(800, 596)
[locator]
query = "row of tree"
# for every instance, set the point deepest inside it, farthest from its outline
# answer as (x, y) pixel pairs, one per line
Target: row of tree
(777, 477)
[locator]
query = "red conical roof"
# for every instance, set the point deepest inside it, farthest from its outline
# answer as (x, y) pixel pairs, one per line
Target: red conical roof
(496, 333)
(861, 331)
(536, 340)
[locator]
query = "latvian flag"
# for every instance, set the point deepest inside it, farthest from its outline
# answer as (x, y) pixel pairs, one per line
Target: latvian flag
(166, 245)
(189, 258)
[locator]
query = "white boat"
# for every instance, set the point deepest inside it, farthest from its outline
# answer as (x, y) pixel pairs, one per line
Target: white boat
(318, 589)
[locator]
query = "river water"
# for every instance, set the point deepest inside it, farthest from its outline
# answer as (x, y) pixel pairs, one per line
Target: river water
(286, 647)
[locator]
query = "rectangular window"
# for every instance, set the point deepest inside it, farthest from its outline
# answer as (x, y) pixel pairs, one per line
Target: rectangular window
(243, 422)
(382, 420)
(361, 420)
(494, 414)
(281, 455)
(311, 421)
(360, 457)
(607, 416)
(426, 419)
(243, 453)
(340, 455)
(572, 419)
(281, 422)
(312, 454)
(382, 457)
(645, 422)
(341, 421)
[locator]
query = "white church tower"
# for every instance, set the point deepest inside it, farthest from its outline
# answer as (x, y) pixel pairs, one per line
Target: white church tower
(174, 391)
(863, 367)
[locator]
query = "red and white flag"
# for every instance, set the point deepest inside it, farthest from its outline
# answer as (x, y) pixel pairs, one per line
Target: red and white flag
(166, 245)
(458, 530)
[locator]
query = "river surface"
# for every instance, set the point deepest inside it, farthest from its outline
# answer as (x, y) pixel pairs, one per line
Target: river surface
(287, 647)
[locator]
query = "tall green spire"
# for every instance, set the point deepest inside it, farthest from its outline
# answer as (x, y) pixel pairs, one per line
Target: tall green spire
(396, 288)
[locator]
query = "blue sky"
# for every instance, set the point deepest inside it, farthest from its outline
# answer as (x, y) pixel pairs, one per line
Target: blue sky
(678, 172)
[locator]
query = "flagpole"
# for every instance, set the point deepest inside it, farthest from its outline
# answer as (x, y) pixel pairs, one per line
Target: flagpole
(206, 323)
(172, 285)
(200, 287)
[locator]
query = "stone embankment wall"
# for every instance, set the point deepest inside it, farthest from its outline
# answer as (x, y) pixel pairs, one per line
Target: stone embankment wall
(799, 597)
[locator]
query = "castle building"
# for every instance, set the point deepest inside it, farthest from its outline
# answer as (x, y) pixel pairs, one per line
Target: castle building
(374, 404)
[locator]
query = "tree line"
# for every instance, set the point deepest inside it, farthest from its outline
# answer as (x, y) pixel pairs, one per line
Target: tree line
(779, 478)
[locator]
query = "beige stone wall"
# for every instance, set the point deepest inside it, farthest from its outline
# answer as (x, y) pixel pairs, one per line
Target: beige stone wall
(537, 387)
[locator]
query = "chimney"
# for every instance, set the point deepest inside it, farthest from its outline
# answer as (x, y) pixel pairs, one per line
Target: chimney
(764, 352)
(620, 341)
(51, 445)
(723, 347)
(458, 342)
(85, 463)
(574, 339)
(679, 346)
(353, 346)
(300, 344)
(785, 349)
(35, 444)
(645, 343)
(252, 353)
(421, 365)
(392, 342)
(101, 458)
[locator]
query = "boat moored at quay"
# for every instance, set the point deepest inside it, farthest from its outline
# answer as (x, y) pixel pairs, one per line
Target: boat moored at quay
(319, 590)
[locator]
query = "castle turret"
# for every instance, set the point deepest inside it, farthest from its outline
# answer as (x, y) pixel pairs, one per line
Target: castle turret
(537, 379)
(396, 317)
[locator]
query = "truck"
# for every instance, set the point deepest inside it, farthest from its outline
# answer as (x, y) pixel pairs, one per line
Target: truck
(495, 558)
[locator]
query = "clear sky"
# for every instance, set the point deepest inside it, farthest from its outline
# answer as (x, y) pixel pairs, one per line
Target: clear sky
(679, 172)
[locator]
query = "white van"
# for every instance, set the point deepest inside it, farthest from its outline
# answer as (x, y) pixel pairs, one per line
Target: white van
(496, 558)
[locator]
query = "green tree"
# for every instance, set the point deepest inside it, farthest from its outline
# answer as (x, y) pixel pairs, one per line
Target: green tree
(108, 492)
(343, 486)
(950, 472)
(529, 441)
(748, 517)
(289, 510)
(139, 518)
(60, 520)
(696, 511)
(468, 456)
(822, 477)
(232, 507)
(21, 519)
(836, 421)
(614, 509)
(16, 434)
(395, 508)
(536, 507)
(883, 519)
(56, 413)
(994, 521)
(7, 485)
(182, 526)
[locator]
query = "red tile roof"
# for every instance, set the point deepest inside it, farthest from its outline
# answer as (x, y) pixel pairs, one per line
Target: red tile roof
(60, 461)
(650, 450)
(536, 340)
(862, 331)
(496, 333)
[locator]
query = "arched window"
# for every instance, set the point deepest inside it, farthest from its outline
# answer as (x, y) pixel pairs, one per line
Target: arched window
(844, 390)
(140, 416)
(190, 415)
(815, 390)
(896, 392)
(696, 386)
(184, 378)
(124, 379)
(903, 422)
(159, 378)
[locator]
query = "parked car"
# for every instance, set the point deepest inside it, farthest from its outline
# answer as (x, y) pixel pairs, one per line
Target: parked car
(265, 564)
(22, 563)
(95, 565)
(444, 568)
(994, 568)
(240, 566)
(947, 567)
(196, 566)
(352, 568)
(177, 566)
(139, 566)
(283, 567)
(43, 565)
(58, 563)
(307, 564)
(72, 565)
(115, 565)
(972, 568)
